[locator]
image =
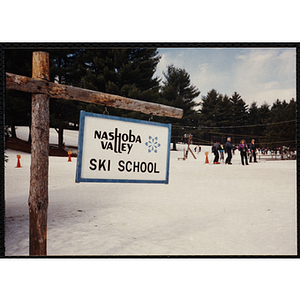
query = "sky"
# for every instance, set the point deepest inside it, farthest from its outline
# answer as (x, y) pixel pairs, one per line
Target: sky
(256, 74)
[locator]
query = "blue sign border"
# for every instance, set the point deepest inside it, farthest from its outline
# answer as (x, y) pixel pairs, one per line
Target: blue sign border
(83, 114)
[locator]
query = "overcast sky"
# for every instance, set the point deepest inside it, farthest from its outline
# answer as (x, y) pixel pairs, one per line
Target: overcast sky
(257, 74)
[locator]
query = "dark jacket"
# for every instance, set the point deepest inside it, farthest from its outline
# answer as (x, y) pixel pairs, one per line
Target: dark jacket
(228, 147)
(215, 148)
(252, 147)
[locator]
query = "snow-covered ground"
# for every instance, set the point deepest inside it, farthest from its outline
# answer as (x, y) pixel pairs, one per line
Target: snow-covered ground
(205, 209)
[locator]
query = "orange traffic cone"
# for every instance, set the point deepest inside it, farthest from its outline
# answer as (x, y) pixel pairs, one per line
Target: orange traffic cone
(69, 152)
(206, 158)
(18, 163)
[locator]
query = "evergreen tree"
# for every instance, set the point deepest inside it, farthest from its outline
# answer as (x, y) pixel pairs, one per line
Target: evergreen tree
(264, 113)
(215, 111)
(239, 110)
(209, 110)
(239, 117)
(122, 71)
(253, 113)
(65, 69)
(224, 111)
(283, 131)
(254, 131)
(178, 91)
(18, 104)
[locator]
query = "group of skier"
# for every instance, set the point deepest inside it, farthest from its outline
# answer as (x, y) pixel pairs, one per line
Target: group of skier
(228, 148)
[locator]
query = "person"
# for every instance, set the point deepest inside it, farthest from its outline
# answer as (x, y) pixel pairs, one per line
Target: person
(243, 148)
(221, 152)
(228, 148)
(253, 151)
(215, 150)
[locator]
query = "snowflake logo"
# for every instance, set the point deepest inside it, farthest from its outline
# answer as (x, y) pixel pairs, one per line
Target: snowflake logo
(152, 144)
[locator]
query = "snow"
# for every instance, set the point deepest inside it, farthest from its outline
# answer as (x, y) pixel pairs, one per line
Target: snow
(205, 209)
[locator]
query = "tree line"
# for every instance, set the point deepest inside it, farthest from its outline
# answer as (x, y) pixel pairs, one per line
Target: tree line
(272, 126)
(130, 72)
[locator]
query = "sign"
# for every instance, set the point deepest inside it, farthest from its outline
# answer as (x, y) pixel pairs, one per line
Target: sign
(115, 149)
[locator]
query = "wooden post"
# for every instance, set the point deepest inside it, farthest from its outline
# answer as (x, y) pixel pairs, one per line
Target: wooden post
(38, 194)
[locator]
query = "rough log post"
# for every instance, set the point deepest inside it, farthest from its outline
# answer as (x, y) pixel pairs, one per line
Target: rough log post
(38, 194)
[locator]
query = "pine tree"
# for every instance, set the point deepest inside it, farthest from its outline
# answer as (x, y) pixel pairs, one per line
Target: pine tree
(254, 131)
(239, 117)
(18, 104)
(210, 107)
(239, 110)
(64, 69)
(283, 131)
(122, 71)
(215, 111)
(178, 91)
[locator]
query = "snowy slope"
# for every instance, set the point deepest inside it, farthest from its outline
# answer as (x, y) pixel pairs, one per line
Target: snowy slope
(70, 136)
(206, 209)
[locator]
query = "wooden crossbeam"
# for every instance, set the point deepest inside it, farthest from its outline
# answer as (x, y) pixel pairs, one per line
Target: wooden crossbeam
(60, 91)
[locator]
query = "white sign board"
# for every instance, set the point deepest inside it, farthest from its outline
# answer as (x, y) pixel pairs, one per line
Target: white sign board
(115, 149)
